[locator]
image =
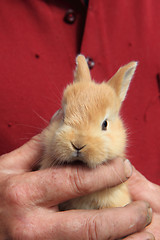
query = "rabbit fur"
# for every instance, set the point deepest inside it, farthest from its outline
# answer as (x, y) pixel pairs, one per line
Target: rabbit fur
(89, 129)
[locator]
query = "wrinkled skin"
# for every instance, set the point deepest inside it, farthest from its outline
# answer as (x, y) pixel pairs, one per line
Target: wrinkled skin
(142, 189)
(29, 200)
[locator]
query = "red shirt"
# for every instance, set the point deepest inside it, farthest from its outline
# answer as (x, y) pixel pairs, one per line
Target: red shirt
(37, 54)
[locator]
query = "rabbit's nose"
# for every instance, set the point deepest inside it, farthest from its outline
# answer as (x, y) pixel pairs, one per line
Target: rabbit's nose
(77, 147)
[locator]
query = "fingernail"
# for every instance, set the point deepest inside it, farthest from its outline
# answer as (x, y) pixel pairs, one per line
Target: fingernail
(150, 236)
(149, 216)
(127, 168)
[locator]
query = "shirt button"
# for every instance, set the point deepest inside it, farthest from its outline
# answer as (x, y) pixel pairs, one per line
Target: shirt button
(70, 16)
(90, 62)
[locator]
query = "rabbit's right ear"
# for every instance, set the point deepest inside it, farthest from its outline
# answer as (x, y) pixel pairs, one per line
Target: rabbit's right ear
(82, 72)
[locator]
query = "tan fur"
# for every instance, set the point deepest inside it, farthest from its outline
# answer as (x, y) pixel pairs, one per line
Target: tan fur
(85, 105)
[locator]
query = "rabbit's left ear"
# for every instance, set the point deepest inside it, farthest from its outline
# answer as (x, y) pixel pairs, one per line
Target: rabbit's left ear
(121, 80)
(82, 72)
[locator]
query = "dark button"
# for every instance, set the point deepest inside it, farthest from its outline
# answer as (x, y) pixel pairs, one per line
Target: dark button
(9, 124)
(70, 16)
(37, 56)
(90, 62)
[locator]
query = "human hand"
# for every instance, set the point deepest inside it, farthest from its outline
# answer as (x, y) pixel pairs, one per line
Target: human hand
(29, 200)
(142, 189)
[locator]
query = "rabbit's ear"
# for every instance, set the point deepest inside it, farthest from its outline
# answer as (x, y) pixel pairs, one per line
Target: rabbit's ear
(121, 80)
(82, 72)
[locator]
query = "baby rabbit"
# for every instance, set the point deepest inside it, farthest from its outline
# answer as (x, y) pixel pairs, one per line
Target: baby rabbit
(90, 130)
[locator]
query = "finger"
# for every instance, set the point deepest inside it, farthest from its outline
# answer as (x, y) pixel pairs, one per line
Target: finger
(140, 236)
(52, 186)
(142, 189)
(154, 226)
(25, 156)
(113, 223)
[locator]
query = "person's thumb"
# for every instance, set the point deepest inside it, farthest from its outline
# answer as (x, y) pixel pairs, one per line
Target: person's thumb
(24, 157)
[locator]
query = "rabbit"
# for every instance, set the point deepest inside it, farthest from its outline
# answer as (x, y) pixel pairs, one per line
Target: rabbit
(88, 129)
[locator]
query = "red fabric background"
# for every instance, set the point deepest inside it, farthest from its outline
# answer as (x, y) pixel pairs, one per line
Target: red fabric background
(37, 53)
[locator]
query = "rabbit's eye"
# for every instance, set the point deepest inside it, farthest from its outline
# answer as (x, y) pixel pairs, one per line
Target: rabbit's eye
(104, 125)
